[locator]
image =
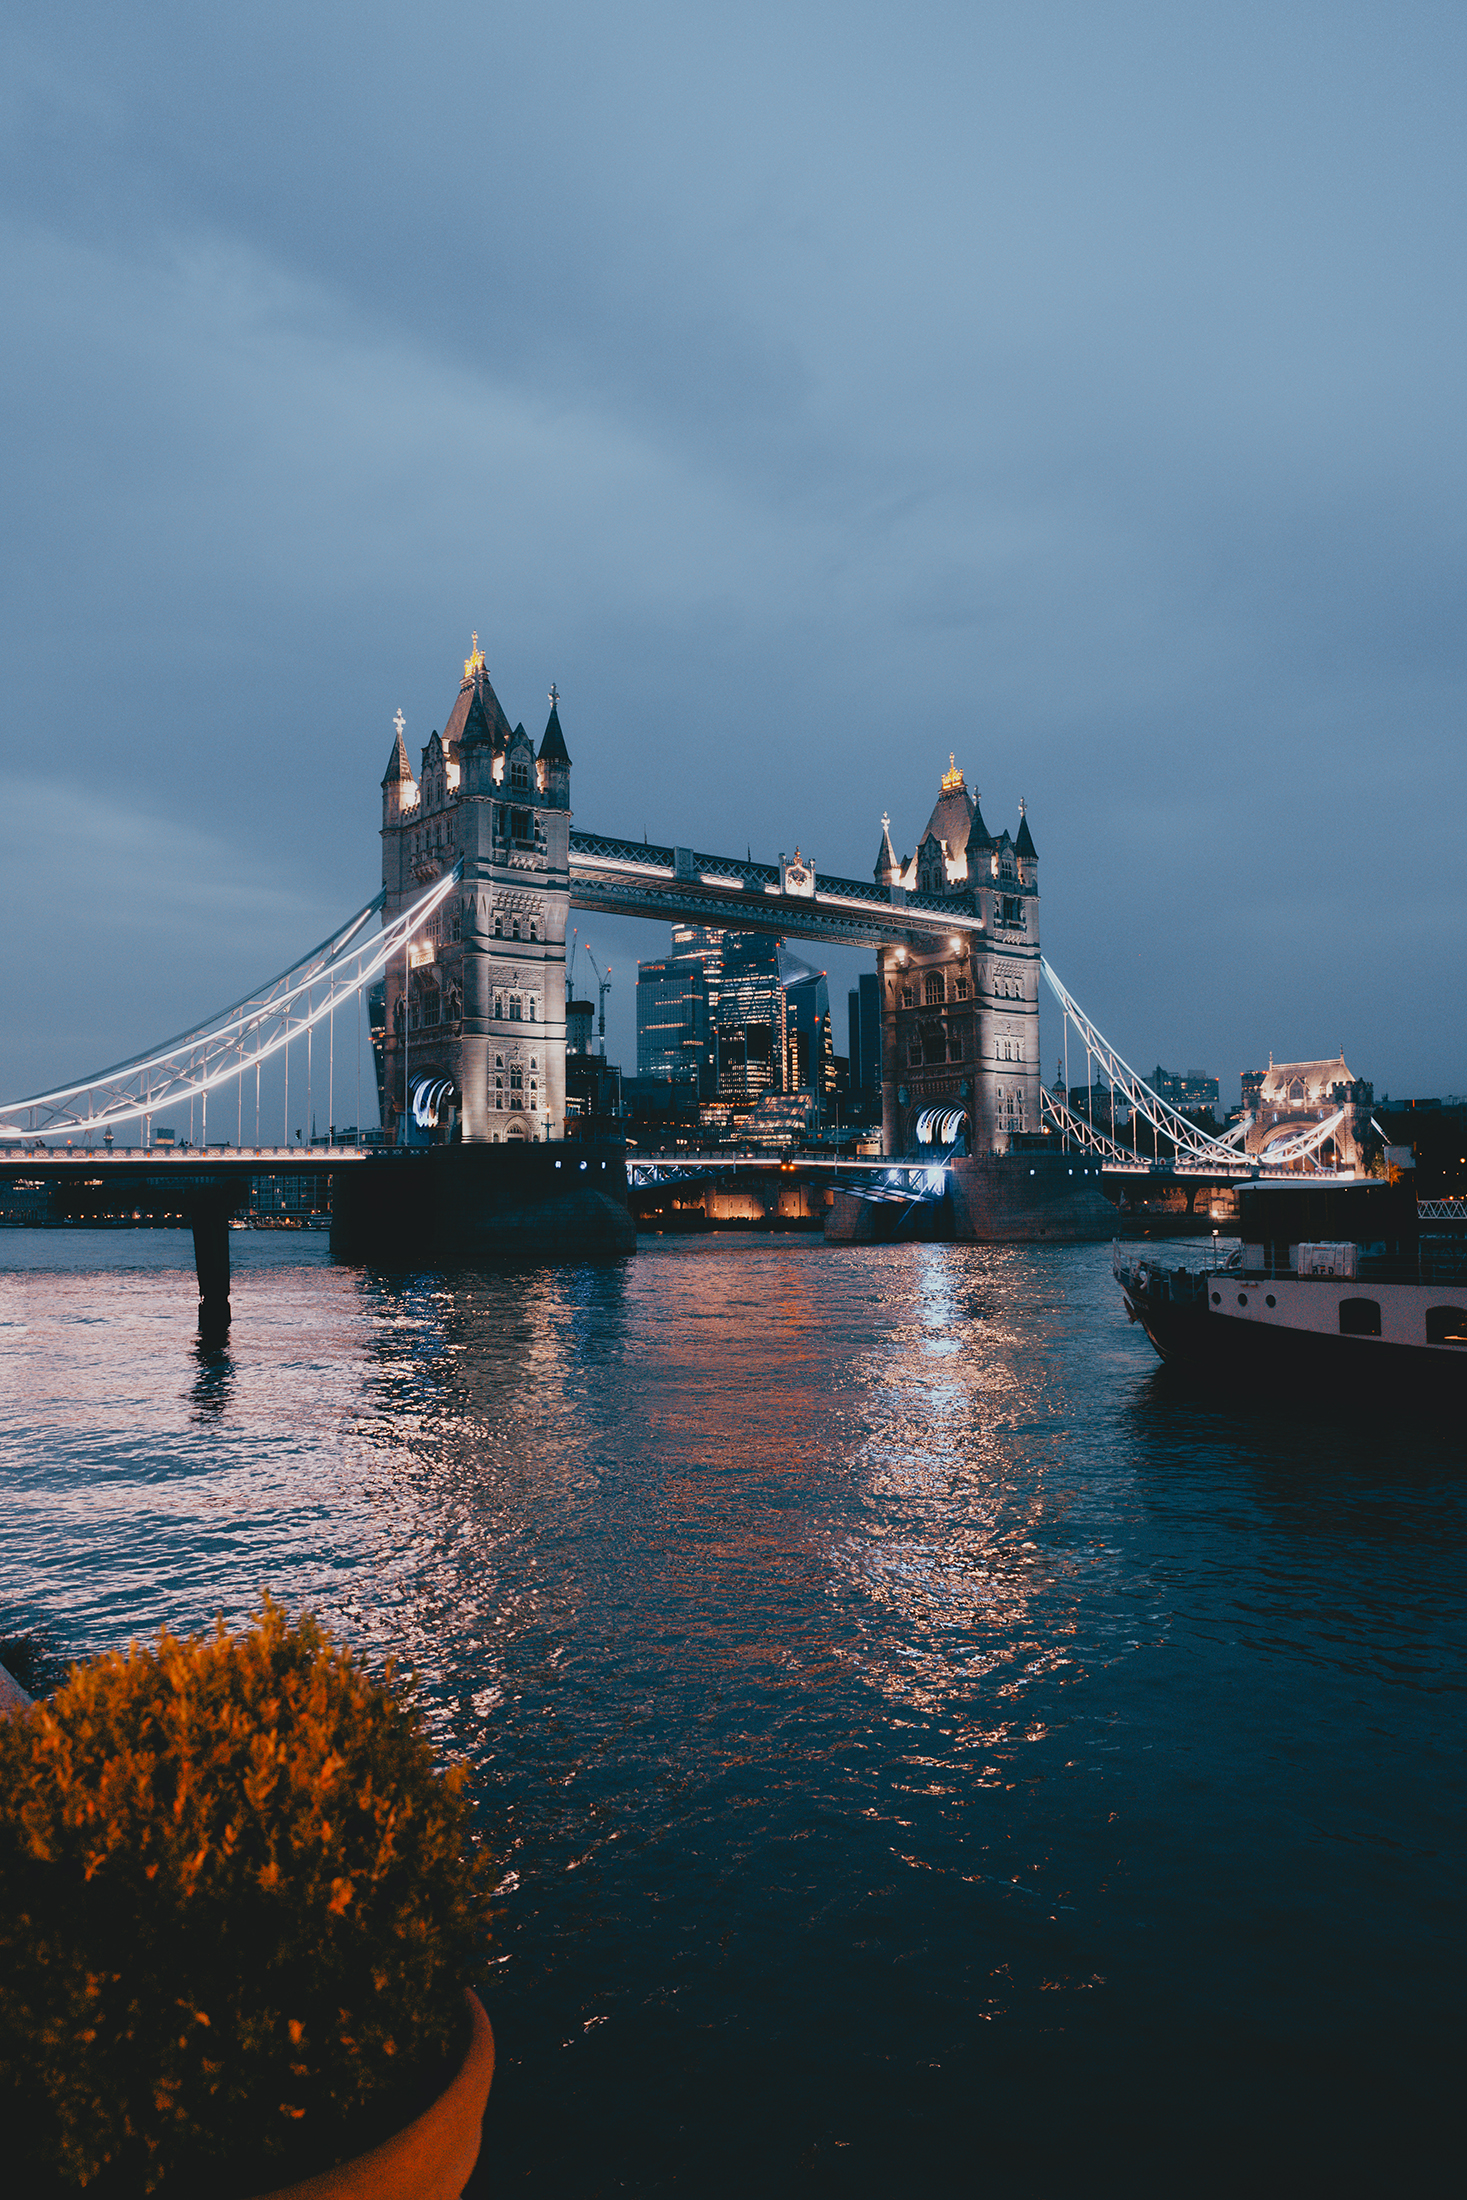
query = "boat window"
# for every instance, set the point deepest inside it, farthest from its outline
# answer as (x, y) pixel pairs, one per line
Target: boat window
(1446, 1325)
(1359, 1317)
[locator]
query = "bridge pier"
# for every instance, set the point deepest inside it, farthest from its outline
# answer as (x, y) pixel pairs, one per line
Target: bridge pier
(210, 1219)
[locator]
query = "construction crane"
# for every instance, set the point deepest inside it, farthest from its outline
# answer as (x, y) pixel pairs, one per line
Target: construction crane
(604, 987)
(570, 975)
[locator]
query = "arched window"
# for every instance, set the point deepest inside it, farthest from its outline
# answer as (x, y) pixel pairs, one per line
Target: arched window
(498, 925)
(1296, 1089)
(519, 776)
(515, 929)
(1359, 1317)
(933, 989)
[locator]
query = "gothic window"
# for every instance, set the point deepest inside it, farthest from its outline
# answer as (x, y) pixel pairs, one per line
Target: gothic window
(1296, 1090)
(906, 996)
(955, 1046)
(516, 1009)
(514, 930)
(498, 1007)
(934, 1047)
(914, 1050)
(534, 929)
(516, 1087)
(534, 1064)
(519, 825)
(960, 986)
(534, 1008)
(933, 988)
(519, 776)
(498, 925)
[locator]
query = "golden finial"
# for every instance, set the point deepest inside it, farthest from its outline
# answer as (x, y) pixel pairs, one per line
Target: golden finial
(953, 779)
(474, 662)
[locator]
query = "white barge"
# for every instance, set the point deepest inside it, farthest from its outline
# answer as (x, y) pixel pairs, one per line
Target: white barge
(1336, 1290)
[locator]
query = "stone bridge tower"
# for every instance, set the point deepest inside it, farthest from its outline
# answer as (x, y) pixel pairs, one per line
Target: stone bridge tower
(960, 1019)
(473, 1019)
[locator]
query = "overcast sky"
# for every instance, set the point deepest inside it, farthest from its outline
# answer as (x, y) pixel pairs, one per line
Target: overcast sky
(810, 392)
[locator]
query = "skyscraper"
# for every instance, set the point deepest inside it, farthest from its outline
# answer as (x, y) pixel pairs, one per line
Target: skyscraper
(674, 1037)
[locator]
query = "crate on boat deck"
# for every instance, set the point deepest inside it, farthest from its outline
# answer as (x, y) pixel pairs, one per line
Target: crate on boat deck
(1328, 1260)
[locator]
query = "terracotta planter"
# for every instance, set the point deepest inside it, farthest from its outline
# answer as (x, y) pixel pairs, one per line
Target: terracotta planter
(431, 2159)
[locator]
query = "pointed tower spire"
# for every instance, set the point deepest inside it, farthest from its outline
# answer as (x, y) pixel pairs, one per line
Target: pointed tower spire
(888, 871)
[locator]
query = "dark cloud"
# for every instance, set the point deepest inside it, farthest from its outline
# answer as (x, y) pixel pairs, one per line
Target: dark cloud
(809, 393)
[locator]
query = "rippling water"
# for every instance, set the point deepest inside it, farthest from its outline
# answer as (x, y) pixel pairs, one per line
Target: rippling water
(924, 1745)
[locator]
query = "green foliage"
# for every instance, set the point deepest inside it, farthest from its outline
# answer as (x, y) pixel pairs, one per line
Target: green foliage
(237, 1912)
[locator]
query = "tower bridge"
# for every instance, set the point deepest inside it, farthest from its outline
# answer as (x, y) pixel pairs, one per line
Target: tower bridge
(461, 957)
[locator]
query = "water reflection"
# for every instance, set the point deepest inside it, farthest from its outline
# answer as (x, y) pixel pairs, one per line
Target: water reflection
(214, 1379)
(829, 1630)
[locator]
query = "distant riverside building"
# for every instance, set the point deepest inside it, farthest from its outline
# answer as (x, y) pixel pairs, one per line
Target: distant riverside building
(750, 1018)
(809, 1044)
(864, 1009)
(740, 1012)
(673, 1029)
(1190, 1093)
(1289, 1099)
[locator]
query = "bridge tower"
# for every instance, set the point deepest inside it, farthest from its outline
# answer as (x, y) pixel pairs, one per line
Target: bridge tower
(473, 1023)
(960, 1019)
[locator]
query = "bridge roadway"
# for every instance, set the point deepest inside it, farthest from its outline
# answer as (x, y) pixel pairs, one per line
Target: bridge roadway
(632, 878)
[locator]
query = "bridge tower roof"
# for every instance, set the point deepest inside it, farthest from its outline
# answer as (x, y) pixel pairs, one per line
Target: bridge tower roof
(477, 715)
(952, 816)
(1024, 845)
(553, 749)
(482, 719)
(398, 767)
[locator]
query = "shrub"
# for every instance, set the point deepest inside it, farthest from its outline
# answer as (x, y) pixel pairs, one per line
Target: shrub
(237, 1912)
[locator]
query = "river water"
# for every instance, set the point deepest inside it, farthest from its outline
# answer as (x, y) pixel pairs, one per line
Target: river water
(925, 1746)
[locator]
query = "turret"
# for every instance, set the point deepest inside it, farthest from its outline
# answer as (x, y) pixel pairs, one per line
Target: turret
(888, 872)
(1025, 851)
(553, 766)
(399, 788)
(980, 847)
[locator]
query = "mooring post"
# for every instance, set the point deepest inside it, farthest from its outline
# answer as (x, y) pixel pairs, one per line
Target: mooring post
(211, 1260)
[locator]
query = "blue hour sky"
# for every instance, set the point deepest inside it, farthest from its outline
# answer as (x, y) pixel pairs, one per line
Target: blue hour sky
(810, 392)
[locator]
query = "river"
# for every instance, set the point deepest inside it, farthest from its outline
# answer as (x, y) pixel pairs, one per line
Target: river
(924, 1745)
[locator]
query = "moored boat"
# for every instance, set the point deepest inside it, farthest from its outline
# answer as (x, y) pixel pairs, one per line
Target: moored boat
(1336, 1290)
